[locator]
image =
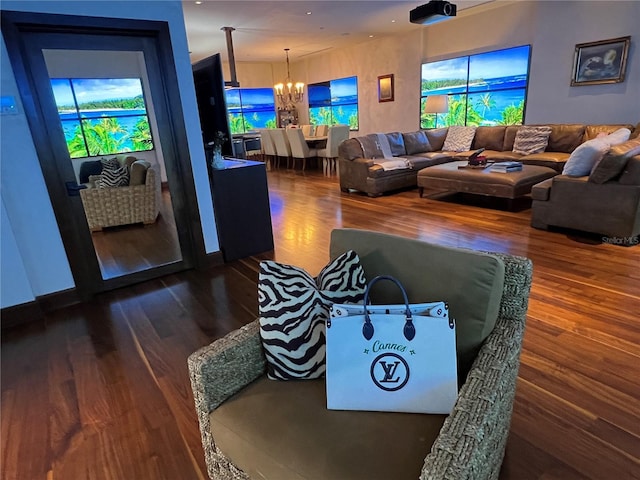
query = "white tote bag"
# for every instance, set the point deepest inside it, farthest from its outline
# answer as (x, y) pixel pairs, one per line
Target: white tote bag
(398, 358)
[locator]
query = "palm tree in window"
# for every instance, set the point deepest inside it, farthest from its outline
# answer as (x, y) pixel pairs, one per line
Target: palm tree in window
(105, 137)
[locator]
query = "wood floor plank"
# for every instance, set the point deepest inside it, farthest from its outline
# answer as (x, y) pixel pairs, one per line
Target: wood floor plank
(101, 390)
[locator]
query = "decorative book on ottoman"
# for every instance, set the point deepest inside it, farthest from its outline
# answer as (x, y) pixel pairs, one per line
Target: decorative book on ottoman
(504, 167)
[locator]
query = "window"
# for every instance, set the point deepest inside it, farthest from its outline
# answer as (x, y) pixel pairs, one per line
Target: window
(250, 108)
(334, 102)
(484, 89)
(102, 116)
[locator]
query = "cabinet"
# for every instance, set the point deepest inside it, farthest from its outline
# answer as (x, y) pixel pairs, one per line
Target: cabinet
(241, 207)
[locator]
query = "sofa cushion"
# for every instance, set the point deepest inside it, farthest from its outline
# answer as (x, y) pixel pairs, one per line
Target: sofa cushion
(264, 430)
(371, 147)
(509, 137)
(583, 158)
(138, 172)
(113, 174)
(555, 160)
(350, 149)
(490, 138)
(531, 140)
(473, 286)
(294, 308)
(614, 162)
(459, 138)
(565, 137)
(396, 142)
(592, 131)
(416, 142)
(437, 137)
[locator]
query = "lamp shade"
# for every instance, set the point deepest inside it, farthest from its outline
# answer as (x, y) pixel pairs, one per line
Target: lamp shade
(436, 104)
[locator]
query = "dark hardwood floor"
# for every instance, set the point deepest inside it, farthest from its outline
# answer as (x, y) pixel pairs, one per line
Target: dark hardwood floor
(133, 248)
(101, 390)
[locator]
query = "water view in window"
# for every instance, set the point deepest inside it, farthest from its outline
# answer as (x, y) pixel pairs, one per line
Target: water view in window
(102, 116)
(484, 89)
(250, 109)
(334, 102)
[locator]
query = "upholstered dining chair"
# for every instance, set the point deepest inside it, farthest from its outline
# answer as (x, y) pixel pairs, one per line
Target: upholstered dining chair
(299, 147)
(268, 147)
(336, 135)
(321, 130)
(306, 130)
(281, 142)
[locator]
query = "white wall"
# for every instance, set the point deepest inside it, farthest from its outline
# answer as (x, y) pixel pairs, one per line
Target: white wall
(24, 195)
(562, 25)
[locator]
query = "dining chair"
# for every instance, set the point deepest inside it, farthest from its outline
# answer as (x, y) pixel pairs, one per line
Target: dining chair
(321, 130)
(306, 130)
(336, 135)
(268, 147)
(299, 147)
(281, 142)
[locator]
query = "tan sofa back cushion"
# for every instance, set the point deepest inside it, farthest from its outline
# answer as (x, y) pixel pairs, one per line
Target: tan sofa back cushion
(470, 282)
(491, 138)
(436, 137)
(417, 142)
(509, 137)
(565, 137)
(592, 131)
(396, 142)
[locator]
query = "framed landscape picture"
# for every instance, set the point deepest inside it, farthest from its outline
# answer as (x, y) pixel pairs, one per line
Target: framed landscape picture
(600, 62)
(385, 88)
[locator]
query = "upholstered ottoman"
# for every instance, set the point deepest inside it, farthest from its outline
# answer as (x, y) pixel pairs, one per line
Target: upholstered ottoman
(448, 177)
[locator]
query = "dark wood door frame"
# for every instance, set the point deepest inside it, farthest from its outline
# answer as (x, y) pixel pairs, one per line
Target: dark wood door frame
(25, 35)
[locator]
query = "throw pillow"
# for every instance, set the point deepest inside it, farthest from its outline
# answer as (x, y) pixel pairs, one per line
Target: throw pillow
(583, 158)
(113, 174)
(416, 142)
(459, 139)
(294, 308)
(619, 136)
(531, 140)
(614, 162)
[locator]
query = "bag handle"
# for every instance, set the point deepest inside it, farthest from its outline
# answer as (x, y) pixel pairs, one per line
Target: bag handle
(367, 329)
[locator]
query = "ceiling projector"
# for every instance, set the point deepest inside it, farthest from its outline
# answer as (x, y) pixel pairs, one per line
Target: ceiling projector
(432, 12)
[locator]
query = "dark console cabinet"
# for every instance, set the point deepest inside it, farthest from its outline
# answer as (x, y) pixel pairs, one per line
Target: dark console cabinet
(241, 206)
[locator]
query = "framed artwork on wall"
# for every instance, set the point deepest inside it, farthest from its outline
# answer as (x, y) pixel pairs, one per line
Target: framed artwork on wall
(385, 88)
(600, 62)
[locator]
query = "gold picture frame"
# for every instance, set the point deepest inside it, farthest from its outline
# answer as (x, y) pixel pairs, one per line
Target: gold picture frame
(385, 88)
(600, 62)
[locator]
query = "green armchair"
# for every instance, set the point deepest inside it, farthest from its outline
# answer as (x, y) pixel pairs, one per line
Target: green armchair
(241, 413)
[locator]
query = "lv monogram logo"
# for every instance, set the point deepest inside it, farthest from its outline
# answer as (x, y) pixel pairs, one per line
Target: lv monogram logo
(389, 371)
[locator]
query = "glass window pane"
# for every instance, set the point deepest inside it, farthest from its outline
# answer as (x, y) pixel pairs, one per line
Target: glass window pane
(344, 91)
(64, 98)
(320, 116)
(502, 107)
(447, 76)
(319, 94)
(499, 69)
(457, 112)
(73, 137)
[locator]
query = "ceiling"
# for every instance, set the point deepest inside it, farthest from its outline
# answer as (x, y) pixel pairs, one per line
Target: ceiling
(263, 29)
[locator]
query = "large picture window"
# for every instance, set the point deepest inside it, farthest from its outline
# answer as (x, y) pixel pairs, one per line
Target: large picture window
(484, 89)
(250, 108)
(102, 116)
(334, 102)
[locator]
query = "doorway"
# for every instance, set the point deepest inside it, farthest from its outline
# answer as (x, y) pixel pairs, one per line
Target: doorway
(46, 47)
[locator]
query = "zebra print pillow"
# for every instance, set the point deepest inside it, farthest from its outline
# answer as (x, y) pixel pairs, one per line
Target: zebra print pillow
(294, 308)
(531, 140)
(113, 174)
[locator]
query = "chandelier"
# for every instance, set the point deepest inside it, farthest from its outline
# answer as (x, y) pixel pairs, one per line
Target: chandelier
(289, 93)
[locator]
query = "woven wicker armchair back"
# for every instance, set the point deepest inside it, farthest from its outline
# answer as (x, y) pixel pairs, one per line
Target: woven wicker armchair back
(469, 444)
(110, 207)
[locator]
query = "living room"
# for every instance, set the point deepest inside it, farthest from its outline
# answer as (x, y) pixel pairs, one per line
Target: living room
(35, 264)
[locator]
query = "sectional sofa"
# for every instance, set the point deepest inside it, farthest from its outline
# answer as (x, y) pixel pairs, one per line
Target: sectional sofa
(363, 166)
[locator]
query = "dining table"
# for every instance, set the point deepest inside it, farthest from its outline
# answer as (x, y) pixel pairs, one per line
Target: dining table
(316, 141)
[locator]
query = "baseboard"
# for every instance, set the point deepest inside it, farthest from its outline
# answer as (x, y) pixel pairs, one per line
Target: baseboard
(36, 309)
(210, 260)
